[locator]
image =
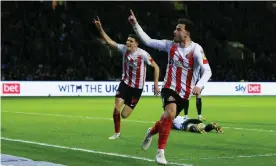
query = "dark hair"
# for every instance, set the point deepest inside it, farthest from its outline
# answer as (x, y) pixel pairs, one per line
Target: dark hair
(189, 25)
(134, 36)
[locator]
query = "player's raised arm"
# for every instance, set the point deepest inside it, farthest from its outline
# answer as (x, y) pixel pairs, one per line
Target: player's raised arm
(109, 41)
(151, 62)
(153, 43)
(201, 60)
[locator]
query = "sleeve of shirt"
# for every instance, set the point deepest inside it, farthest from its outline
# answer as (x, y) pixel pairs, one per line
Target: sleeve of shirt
(121, 47)
(147, 58)
(162, 45)
(201, 60)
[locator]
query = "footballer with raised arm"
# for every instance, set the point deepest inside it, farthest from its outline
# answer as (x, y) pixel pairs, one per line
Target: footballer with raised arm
(131, 86)
(185, 59)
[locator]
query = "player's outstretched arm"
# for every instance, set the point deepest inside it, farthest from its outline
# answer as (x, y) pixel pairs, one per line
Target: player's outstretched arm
(201, 60)
(153, 43)
(98, 25)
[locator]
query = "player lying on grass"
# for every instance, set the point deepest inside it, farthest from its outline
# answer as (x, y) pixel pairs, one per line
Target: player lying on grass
(133, 77)
(194, 125)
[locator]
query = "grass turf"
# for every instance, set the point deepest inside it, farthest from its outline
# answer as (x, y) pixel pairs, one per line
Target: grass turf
(71, 121)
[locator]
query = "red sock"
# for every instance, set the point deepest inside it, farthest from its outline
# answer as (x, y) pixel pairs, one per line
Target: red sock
(155, 129)
(164, 132)
(117, 120)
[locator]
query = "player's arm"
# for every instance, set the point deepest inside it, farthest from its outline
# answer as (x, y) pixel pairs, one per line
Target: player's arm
(151, 62)
(153, 43)
(201, 60)
(103, 34)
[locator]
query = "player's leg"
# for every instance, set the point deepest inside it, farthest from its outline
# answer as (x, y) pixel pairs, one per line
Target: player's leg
(119, 101)
(167, 97)
(213, 126)
(164, 132)
(127, 110)
(179, 108)
(209, 127)
(163, 126)
(199, 106)
(186, 108)
(116, 117)
(132, 99)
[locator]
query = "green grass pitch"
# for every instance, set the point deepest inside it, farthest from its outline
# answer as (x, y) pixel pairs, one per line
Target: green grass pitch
(249, 137)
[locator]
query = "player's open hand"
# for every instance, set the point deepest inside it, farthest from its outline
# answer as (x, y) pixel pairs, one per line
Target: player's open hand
(97, 22)
(132, 19)
(196, 90)
(156, 90)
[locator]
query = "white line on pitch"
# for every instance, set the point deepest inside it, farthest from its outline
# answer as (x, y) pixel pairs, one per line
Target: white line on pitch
(233, 157)
(261, 130)
(72, 116)
(134, 121)
(88, 151)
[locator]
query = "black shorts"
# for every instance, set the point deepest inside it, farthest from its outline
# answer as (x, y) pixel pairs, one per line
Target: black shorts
(170, 96)
(129, 94)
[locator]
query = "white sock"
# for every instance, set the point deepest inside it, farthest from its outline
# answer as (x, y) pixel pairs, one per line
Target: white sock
(186, 117)
(200, 116)
(161, 150)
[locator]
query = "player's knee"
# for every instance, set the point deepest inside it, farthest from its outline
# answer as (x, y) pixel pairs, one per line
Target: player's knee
(126, 112)
(124, 115)
(170, 111)
(116, 109)
(172, 114)
(118, 103)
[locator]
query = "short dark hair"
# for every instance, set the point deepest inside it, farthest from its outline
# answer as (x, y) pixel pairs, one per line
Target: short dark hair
(134, 36)
(189, 25)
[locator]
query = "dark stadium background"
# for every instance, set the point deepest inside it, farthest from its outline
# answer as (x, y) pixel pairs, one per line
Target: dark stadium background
(39, 43)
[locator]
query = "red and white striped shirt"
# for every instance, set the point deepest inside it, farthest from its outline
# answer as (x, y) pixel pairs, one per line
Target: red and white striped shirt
(184, 64)
(134, 67)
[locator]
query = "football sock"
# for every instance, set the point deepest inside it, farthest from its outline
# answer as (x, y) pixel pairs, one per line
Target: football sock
(209, 127)
(198, 105)
(186, 107)
(161, 150)
(164, 132)
(199, 117)
(117, 120)
(155, 129)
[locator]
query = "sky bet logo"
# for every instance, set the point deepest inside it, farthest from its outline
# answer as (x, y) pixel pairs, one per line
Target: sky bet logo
(250, 88)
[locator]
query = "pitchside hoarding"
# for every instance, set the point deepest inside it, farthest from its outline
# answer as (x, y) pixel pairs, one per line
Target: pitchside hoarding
(94, 88)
